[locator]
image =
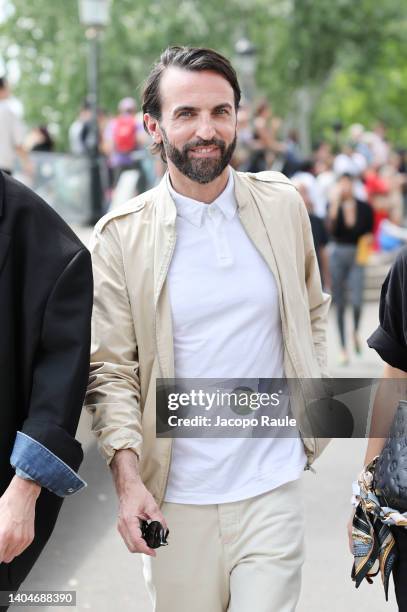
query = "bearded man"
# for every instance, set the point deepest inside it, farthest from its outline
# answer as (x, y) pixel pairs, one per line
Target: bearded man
(212, 274)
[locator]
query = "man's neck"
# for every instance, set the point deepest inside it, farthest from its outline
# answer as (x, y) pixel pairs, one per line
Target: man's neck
(202, 193)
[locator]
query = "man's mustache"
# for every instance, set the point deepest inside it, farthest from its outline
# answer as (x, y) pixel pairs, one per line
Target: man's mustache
(204, 143)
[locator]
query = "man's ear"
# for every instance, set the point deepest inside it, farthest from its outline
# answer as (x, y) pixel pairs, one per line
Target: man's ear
(153, 127)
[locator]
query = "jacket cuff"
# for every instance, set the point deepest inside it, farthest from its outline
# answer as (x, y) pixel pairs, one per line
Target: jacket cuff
(108, 451)
(21, 474)
(34, 461)
(55, 439)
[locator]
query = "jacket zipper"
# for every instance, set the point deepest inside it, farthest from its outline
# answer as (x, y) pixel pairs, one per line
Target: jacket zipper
(162, 280)
(308, 465)
(285, 334)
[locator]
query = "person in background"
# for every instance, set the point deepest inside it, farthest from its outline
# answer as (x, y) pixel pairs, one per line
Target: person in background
(121, 138)
(305, 176)
(356, 134)
(380, 147)
(319, 234)
(77, 142)
(244, 146)
(265, 144)
(349, 221)
(292, 154)
(350, 160)
(11, 134)
(322, 153)
(396, 181)
(370, 539)
(46, 295)
(325, 177)
(403, 171)
(378, 189)
(39, 139)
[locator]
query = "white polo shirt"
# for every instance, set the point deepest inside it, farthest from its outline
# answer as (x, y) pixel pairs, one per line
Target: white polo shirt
(226, 324)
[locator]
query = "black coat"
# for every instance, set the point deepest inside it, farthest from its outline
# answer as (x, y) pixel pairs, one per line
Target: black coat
(46, 293)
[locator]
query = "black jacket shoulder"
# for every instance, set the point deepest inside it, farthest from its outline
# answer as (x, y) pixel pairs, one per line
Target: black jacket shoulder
(22, 211)
(400, 263)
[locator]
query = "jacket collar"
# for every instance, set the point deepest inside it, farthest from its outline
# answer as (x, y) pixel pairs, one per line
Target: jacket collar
(244, 197)
(165, 239)
(194, 210)
(166, 205)
(167, 208)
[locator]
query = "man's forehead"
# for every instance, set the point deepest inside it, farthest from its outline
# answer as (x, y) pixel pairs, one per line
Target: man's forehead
(179, 86)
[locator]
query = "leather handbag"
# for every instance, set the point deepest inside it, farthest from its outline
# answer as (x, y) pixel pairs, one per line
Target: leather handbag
(390, 476)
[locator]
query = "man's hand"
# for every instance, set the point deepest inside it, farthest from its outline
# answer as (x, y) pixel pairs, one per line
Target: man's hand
(17, 513)
(135, 502)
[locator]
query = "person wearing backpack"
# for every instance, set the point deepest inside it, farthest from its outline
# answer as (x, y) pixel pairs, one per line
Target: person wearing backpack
(120, 138)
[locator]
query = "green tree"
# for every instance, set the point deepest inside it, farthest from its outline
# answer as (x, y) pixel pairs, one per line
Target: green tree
(317, 39)
(318, 60)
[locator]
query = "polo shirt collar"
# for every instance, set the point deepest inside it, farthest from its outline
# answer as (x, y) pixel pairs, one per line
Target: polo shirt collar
(194, 210)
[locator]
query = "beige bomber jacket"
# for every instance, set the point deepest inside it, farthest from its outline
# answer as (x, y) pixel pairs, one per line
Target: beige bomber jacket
(132, 330)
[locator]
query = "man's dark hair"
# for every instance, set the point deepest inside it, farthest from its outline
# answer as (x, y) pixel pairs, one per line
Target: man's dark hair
(307, 165)
(3, 82)
(190, 58)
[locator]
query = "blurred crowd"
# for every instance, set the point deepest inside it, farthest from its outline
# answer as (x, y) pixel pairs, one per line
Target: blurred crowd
(355, 191)
(354, 188)
(354, 184)
(377, 169)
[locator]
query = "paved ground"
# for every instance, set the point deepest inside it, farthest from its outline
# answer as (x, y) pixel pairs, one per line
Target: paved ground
(87, 555)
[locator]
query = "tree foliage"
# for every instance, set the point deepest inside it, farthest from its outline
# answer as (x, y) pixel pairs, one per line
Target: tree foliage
(350, 55)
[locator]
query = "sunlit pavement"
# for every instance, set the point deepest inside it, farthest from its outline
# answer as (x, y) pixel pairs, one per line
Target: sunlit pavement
(86, 553)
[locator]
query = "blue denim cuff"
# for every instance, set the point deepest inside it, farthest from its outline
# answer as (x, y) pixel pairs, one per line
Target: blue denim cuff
(38, 463)
(23, 474)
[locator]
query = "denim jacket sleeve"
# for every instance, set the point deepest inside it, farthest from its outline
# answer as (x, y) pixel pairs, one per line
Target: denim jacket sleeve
(33, 461)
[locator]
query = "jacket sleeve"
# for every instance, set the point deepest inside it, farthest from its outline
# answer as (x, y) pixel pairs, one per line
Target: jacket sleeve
(113, 396)
(318, 300)
(33, 461)
(62, 363)
(390, 338)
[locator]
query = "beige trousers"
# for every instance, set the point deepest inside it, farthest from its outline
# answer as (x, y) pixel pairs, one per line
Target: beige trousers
(243, 556)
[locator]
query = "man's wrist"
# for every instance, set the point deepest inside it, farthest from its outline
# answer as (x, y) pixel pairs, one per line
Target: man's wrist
(125, 470)
(28, 487)
(125, 457)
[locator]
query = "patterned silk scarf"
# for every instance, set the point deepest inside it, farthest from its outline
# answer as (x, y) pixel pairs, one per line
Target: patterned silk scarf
(374, 546)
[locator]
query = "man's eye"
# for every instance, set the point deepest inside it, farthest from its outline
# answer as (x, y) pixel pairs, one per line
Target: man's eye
(185, 114)
(222, 111)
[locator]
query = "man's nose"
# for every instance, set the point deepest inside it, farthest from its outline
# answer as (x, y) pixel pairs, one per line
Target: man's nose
(206, 130)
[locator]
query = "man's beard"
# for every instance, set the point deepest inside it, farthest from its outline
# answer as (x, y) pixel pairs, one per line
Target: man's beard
(201, 170)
